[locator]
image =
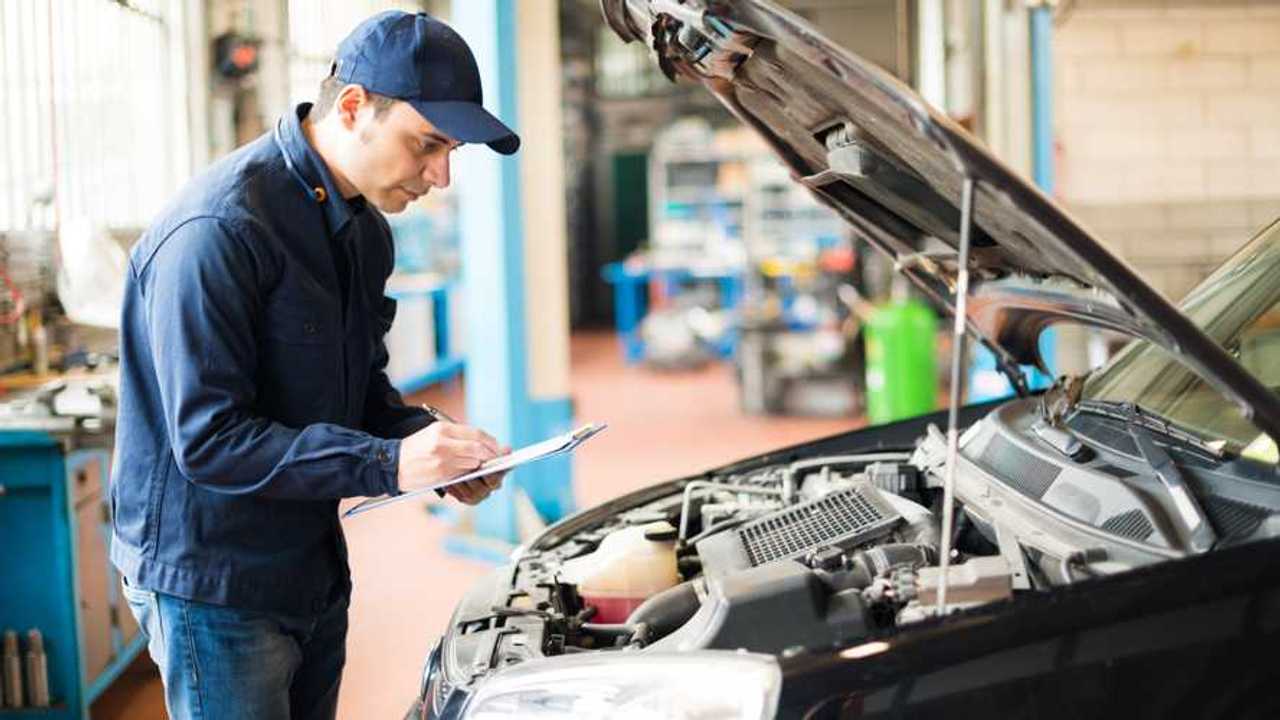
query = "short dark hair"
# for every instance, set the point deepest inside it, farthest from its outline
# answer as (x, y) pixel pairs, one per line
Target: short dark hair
(329, 89)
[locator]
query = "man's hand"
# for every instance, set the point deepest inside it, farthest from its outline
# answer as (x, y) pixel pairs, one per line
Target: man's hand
(443, 450)
(473, 491)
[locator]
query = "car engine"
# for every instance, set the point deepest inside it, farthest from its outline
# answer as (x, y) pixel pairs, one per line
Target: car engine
(777, 557)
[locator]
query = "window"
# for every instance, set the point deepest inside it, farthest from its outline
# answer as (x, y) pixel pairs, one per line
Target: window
(97, 122)
(315, 29)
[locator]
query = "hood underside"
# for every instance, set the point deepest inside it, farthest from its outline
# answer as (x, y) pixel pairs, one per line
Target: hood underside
(894, 168)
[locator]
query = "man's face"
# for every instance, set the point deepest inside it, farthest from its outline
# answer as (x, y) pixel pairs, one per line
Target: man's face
(397, 157)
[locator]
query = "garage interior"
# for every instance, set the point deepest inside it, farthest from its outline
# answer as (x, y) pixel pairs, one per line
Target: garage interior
(644, 261)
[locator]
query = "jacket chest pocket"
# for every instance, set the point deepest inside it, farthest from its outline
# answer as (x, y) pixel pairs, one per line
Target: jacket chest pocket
(299, 375)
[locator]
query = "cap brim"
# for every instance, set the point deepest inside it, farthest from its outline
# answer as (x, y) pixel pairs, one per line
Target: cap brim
(469, 123)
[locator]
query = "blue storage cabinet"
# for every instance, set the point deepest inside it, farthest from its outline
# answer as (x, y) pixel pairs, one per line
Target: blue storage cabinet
(54, 571)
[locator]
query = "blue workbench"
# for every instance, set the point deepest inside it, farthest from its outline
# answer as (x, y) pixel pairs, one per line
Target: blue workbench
(631, 297)
(54, 571)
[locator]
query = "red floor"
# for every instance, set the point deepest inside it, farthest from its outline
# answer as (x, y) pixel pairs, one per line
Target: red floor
(661, 425)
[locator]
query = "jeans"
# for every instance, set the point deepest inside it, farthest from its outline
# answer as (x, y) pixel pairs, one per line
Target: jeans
(222, 662)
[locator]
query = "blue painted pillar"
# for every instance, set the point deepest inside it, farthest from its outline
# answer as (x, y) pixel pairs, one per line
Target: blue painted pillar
(1042, 155)
(503, 394)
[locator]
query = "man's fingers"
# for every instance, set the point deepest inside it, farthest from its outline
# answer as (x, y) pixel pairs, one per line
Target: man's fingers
(467, 432)
(461, 493)
(466, 454)
(471, 491)
(470, 448)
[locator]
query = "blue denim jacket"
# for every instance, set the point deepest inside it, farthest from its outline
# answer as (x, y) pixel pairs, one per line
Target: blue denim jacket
(252, 398)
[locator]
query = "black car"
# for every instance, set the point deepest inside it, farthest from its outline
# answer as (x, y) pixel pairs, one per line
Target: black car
(1112, 545)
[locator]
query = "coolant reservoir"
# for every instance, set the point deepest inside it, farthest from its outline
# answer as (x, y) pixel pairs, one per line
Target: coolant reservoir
(623, 572)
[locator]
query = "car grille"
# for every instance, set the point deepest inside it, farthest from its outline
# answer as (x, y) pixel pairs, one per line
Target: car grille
(1233, 519)
(1132, 524)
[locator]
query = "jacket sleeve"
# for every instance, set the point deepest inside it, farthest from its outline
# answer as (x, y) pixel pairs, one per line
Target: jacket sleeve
(203, 290)
(385, 413)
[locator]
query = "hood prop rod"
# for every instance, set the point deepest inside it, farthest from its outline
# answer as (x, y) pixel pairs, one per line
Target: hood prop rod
(953, 411)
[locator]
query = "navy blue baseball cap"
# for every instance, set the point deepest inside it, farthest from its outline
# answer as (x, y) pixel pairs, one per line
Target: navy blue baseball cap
(422, 61)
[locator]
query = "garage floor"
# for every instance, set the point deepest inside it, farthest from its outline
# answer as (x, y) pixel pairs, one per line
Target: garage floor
(661, 426)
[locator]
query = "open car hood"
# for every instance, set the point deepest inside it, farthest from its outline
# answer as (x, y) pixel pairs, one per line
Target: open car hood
(894, 168)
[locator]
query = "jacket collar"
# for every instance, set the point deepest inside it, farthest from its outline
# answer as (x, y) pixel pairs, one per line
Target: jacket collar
(312, 171)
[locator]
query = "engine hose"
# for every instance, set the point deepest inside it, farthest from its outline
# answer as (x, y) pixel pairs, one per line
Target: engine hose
(609, 629)
(668, 610)
(878, 560)
(617, 634)
(867, 565)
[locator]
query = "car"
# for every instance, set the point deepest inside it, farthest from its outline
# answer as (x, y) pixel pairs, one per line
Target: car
(1104, 547)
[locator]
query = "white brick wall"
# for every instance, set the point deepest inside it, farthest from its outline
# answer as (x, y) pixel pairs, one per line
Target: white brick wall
(1241, 37)
(1170, 104)
(1160, 36)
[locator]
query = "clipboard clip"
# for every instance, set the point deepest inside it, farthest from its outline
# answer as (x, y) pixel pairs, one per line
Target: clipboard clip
(586, 432)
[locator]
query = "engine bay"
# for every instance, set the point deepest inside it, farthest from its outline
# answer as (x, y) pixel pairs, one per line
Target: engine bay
(826, 549)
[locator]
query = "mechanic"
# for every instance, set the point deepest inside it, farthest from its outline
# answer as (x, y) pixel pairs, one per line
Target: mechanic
(253, 388)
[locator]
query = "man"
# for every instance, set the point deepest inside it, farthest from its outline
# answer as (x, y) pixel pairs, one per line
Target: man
(253, 390)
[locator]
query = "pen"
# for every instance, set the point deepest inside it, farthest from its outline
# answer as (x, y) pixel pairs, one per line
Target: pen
(438, 414)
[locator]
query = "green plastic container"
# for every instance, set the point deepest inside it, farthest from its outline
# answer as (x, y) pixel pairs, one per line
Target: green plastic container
(902, 376)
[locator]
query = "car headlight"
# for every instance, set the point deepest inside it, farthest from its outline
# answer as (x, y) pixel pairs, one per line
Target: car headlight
(703, 685)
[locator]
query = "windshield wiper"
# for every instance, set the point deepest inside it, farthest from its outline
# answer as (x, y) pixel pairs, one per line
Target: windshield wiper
(1200, 534)
(1134, 414)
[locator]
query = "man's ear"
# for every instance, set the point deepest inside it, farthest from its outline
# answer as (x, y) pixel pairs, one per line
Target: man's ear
(350, 99)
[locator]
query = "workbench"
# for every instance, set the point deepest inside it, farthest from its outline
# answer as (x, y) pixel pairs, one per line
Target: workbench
(55, 526)
(633, 284)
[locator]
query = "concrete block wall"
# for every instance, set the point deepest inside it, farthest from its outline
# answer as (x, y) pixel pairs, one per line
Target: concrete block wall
(1168, 128)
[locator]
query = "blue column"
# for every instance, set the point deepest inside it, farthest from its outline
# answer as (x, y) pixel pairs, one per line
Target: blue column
(1042, 156)
(493, 271)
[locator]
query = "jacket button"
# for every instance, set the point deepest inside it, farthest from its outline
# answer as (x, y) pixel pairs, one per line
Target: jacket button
(309, 328)
(384, 456)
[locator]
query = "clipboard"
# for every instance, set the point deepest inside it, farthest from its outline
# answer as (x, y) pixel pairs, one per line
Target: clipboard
(558, 445)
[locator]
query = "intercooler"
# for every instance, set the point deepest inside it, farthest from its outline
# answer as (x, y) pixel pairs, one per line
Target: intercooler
(846, 518)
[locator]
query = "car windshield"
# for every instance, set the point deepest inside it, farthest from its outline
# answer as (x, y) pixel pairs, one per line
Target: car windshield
(1237, 306)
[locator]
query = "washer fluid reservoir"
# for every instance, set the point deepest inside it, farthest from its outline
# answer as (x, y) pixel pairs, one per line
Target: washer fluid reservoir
(623, 571)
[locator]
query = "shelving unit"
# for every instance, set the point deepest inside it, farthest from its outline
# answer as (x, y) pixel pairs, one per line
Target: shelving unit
(697, 189)
(424, 341)
(723, 209)
(782, 221)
